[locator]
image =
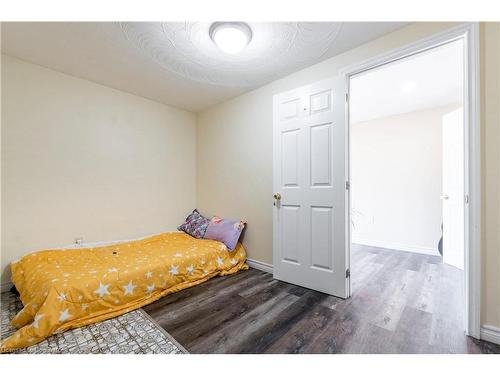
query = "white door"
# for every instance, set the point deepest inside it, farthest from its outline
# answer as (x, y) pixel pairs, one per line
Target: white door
(453, 189)
(309, 221)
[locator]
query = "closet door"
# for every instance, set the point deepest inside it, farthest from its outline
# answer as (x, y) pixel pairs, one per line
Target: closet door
(453, 189)
(309, 221)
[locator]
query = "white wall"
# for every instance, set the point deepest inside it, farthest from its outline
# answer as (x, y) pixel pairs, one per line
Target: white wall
(83, 160)
(396, 181)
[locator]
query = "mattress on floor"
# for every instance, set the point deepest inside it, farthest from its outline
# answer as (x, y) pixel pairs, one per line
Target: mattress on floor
(64, 289)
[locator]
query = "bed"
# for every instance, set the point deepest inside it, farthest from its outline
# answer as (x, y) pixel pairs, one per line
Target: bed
(63, 289)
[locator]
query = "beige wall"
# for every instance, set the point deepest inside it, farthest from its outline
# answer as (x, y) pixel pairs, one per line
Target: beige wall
(490, 123)
(83, 160)
(396, 180)
(235, 153)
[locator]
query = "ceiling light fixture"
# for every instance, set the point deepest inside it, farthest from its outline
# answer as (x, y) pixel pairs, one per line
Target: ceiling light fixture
(230, 37)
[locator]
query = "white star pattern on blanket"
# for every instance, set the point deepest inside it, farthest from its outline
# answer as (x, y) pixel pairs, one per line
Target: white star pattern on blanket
(36, 319)
(129, 288)
(64, 315)
(102, 290)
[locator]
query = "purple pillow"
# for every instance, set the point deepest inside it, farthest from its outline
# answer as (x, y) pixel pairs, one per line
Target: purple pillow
(195, 224)
(227, 231)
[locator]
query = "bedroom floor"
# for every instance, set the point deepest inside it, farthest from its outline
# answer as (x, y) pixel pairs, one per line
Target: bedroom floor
(401, 303)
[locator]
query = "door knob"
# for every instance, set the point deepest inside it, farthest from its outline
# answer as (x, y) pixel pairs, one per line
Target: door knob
(277, 196)
(444, 197)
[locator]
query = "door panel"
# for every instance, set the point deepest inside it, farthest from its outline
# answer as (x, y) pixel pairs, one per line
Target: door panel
(321, 238)
(320, 101)
(289, 233)
(320, 149)
(453, 189)
(290, 157)
(289, 110)
(309, 221)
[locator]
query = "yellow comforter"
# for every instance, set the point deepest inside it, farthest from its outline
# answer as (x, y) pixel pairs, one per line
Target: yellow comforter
(64, 289)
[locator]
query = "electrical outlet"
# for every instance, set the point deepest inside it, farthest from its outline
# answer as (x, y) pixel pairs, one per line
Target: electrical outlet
(79, 241)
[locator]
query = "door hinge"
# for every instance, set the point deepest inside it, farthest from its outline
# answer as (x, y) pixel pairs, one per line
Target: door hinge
(347, 273)
(466, 198)
(346, 96)
(347, 185)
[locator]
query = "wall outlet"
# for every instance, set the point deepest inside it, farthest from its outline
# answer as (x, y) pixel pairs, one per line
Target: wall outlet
(79, 241)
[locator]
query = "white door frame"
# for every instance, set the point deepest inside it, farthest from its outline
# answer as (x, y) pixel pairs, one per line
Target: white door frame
(469, 33)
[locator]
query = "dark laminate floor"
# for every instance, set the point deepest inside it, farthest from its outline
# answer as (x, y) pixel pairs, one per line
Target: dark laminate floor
(401, 303)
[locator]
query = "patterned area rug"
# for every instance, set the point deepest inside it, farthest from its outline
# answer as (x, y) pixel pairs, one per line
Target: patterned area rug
(131, 333)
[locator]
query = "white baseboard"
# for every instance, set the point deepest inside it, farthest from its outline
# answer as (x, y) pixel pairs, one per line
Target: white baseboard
(396, 246)
(258, 265)
(5, 287)
(491, 334)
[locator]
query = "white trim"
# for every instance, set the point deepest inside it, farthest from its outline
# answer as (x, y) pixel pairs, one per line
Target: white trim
(5, 287)
(469, 33)
(490, 334)
(396, 246)
(473, 167)
(258, 265)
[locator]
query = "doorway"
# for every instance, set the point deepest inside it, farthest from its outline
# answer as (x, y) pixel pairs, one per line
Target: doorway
(408, 186)
(312, 207)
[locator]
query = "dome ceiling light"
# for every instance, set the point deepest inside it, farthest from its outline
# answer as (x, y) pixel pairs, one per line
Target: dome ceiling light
(230, 37)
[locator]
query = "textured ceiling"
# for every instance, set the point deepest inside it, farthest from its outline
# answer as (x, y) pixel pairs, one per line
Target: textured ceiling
(177, 63)
(186, 49)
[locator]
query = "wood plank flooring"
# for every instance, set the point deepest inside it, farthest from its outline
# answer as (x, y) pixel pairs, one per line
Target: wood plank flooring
(401, 303)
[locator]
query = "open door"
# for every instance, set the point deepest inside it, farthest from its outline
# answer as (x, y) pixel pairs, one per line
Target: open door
(309, 221)
(453, 189)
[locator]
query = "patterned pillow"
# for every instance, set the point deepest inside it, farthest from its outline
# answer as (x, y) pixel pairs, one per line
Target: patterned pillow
(227, 231)
(195, 224)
